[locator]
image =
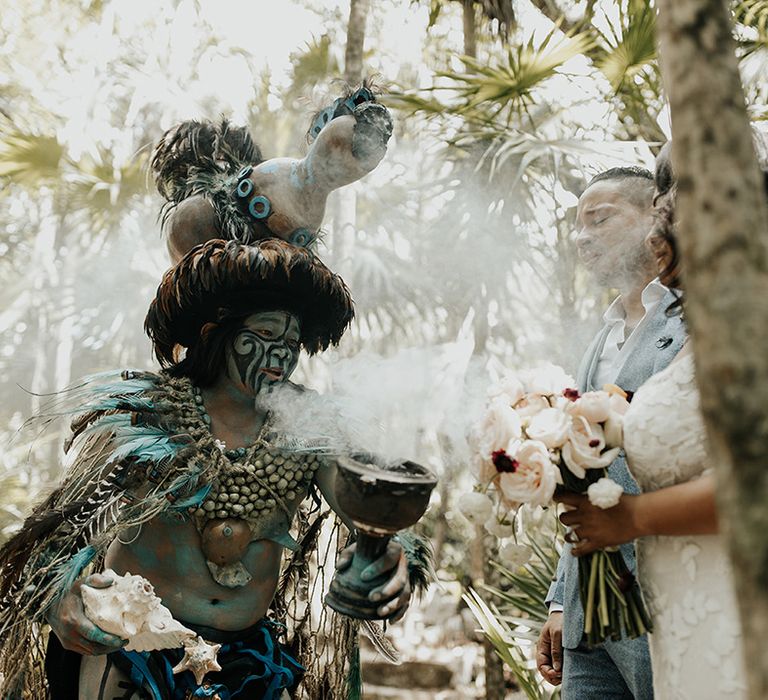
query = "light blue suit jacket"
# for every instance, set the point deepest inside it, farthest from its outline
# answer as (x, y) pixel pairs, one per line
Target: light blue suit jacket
(660, 340)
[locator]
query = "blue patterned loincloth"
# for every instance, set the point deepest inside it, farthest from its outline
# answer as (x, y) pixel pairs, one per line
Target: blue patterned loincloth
(253, 666)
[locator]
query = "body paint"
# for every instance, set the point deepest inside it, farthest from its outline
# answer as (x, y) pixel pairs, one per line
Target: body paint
(265, 351)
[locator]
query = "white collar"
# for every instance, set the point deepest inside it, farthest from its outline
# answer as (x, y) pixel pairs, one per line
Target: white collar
(652, 294)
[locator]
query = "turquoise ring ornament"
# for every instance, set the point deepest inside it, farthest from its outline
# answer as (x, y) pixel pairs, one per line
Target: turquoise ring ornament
(301, 237)
(244, 188)
(340, 107)
(259, 207)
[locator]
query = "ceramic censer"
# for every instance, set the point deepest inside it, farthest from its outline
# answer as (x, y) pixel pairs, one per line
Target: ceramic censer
(380, 501)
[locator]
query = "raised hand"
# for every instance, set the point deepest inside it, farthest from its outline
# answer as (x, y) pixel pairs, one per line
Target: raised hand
(73, 628)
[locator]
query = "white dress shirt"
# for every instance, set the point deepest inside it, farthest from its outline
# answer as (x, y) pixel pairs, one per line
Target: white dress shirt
(618, 344)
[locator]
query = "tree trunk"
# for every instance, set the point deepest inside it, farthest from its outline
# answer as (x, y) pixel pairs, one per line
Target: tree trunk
(345, 205)
(353, 55)
(495, 687)
(723, 234)
(470, 29)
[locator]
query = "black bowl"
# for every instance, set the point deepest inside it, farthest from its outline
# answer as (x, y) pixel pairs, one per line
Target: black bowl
(382, 498)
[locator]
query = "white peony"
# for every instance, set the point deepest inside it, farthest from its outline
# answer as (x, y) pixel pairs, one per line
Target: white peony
(500, 529)
(482, 468)
(549, 426)
(593, 405)
(584, 448)
(613, 430)
(546, 380)
(508, 387)
(618, 404)
(604, 493)
(514, 555)
(475, 507)
(533, 515)
(530, 405)
(499, 426)
(534, 477)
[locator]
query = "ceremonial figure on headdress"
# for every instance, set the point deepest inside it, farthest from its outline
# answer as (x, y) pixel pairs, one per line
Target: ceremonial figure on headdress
(217, 184)
(180, 476)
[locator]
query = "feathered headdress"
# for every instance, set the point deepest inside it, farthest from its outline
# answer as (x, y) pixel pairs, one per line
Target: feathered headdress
(221, 278)
(217, 185)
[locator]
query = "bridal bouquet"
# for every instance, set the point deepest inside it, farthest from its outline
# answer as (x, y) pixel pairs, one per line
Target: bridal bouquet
(538, 435)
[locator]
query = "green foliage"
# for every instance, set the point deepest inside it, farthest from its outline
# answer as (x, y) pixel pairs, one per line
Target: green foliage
(628, 48)
(315, 64)
(752, 15)
(512, 613)
(26, 157)
(512, 84)
(524, 591)
(626, 54)
(507, 88)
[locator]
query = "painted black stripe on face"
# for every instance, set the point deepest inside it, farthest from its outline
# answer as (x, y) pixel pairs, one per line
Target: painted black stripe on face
(265, 351)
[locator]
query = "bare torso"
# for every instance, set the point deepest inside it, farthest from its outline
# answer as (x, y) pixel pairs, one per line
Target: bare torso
(169, 555)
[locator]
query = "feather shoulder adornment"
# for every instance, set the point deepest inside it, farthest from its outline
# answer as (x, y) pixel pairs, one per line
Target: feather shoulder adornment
(135, 451)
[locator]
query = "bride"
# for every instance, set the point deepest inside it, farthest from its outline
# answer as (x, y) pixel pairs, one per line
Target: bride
(683, 567)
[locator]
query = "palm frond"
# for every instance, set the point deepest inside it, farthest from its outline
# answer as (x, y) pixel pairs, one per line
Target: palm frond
(629, 46)
(512, 83)
(751, 18)
(27, 157)
(752, 13)
(503, 638)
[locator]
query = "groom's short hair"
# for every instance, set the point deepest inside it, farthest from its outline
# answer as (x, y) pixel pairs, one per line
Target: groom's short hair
(637, 182)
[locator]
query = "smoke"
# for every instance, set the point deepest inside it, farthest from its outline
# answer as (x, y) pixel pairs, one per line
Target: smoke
(390, 406)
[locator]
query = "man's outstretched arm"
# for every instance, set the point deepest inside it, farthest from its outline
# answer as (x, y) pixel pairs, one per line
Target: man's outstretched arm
(549, 647)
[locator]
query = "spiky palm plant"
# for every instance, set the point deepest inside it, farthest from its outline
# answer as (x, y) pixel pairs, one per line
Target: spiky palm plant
(511, 614)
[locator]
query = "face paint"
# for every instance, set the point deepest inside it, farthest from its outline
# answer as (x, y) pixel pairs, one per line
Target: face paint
(265, 351)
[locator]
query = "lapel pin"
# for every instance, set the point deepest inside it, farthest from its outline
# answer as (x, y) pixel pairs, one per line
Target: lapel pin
(664, 342)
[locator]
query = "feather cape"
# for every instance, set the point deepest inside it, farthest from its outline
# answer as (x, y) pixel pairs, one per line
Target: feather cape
(130, 435)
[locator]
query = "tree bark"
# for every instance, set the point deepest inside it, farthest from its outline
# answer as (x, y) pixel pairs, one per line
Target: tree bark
(345, 199)
(485, 547)
(470, 28)
(723, 232)
(353, 54)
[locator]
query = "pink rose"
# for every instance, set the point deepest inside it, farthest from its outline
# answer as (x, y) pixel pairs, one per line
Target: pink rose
(499, 426)
(509, 387)
(483, 469)
(549, 426)
(530, 405)
(594, 406)
(618, 404)
(584, 448)
(534, 478)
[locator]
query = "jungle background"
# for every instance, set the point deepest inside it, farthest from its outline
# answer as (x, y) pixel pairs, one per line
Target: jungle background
(458, 249)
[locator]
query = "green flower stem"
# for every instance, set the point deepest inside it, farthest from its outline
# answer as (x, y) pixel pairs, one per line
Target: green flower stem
(589, 611)
(604, 620)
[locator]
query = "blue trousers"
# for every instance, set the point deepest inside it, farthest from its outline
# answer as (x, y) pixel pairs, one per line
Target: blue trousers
(610, 670)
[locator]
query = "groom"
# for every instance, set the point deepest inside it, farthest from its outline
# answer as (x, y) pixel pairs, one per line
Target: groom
(638, 339)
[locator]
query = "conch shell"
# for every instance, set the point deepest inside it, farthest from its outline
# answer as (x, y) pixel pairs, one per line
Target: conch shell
(130, 609)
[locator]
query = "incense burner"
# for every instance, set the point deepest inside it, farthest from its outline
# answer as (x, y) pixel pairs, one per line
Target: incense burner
(380, 500)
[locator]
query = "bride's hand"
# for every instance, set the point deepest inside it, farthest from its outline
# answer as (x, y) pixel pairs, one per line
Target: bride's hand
(595, 528)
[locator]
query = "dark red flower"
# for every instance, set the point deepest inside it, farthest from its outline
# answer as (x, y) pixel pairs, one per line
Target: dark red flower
(626, 581)
(594, 442)
(503, 462)
(572, 394)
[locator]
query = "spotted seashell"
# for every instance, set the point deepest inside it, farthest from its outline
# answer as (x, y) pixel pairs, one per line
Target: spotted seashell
(130, 609)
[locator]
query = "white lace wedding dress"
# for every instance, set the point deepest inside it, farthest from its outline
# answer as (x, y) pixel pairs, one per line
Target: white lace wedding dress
(686, 581)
